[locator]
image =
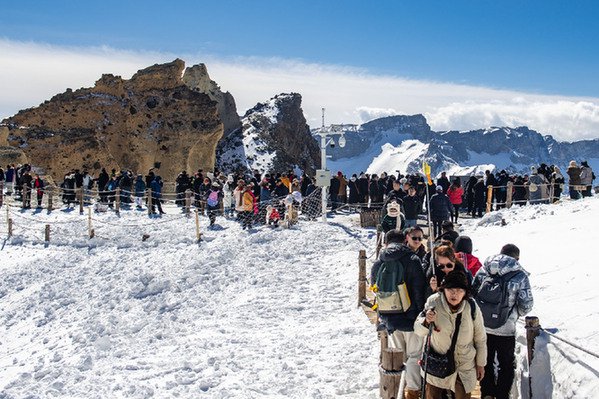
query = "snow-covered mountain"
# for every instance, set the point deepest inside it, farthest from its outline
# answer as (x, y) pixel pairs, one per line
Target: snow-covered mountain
(274, 136)
(402, 142)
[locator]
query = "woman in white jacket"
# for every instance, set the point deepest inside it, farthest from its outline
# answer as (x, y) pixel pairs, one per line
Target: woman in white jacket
(470, 352)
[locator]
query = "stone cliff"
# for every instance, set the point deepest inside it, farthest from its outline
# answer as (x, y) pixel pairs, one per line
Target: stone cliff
(274, 138)
(154, 117)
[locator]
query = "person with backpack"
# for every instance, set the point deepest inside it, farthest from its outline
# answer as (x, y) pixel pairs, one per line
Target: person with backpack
(398, 280)
(455, 335)
(502, 291)
(213, 198)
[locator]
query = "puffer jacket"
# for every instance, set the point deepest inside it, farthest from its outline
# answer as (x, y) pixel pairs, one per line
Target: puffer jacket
(520, 294)
(455, 195)
(441, 207)
(414, 279)
(586, 176)
(471, 344)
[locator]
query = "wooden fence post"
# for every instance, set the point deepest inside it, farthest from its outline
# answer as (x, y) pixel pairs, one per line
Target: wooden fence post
(1, 192)
(47, 233)
(533, 329)
(10, 227)
(489, 198)
(90, 230)
(24, 195)
(508, 198)
(361, 276)
(390, 368)
(50, 192)
(149, 200)
(117, 200)
(187, 201)
(198, 234)
(80, 194)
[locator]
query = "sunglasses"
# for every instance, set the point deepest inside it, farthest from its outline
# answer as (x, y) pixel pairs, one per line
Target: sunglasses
(416, 238)
(445, 266)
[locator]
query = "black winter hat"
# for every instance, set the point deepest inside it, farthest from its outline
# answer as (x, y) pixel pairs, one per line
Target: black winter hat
(463, 244)
(456, 279)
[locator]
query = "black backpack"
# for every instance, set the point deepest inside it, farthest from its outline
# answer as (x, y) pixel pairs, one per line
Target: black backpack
(493, 299)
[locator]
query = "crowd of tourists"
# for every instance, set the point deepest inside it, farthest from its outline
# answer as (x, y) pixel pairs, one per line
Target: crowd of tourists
(450, 314)
(250, 197)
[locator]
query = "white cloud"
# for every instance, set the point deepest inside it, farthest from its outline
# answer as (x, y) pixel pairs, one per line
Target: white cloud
(31, 73)
(368, 113)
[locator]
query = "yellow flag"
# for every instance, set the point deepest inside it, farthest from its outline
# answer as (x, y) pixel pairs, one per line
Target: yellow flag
(427, 171)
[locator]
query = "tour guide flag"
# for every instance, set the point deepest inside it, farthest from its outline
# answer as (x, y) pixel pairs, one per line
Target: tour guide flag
(427, 171)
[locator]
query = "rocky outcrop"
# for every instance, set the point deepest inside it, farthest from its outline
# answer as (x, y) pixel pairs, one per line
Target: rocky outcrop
(274, 138)
(197, 78)
(152, 118)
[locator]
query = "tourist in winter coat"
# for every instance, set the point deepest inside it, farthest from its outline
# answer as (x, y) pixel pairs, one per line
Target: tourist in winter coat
(443, 181)
(401, 326)
(334, 192)
(470, 194)
(463, 249)
(557, 179)
(411, 204)
(156, 187)
(354, 191)
(238, 197)
(519, 196)
(38, 185)
(470, 355)
(228, 188)
(574, 180)
(586, 178)
(140, 190)
(248, 204)
(363, 185)
(414, 238)
(490, 181)
(9, 177)
(342, 192)
(538, 187)
(480, 195)
(375, 193)
(455, 193)
(214, 197)
(441, 210)
(501, 190)
(501, 341)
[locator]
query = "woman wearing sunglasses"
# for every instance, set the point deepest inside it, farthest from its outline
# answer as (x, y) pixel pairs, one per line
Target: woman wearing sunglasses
(445, 262)
(453, 325)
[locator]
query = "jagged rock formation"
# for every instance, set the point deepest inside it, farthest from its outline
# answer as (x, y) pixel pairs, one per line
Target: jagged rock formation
(123, 124)
(274, 138)
(197, 78)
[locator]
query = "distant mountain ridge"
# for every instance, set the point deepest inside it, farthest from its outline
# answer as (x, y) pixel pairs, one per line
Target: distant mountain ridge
(402, 142)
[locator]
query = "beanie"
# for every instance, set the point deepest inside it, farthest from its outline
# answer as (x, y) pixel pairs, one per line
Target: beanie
(455, 279)
(463, 244)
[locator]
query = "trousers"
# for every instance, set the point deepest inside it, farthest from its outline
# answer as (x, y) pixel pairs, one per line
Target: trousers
(411, 345)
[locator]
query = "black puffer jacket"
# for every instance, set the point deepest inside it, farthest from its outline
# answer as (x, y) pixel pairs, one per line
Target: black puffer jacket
(415, 281)
(411, 206)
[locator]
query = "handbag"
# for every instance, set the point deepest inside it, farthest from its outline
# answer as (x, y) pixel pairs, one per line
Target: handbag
(441, 365)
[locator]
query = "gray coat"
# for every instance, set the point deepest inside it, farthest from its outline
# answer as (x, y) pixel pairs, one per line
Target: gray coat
(520, 294)
(541, 189)
(586, 176)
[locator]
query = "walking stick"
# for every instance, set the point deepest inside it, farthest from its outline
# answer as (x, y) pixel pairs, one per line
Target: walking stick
(427, 346)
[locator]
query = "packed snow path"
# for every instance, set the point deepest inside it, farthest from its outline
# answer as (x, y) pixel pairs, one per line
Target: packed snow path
(262, 314)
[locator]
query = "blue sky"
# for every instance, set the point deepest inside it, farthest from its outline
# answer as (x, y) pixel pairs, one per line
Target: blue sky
(541, 46)
(464, 64)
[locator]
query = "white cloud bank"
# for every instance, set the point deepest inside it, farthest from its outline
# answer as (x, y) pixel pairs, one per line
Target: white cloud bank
(31, 73)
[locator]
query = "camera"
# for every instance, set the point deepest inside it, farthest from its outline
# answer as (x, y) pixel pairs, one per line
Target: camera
(332, 145)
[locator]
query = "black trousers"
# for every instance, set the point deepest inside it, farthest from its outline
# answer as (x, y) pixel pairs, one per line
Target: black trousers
(499, 386)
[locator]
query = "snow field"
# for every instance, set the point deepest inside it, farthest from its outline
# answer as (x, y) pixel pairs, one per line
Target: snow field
(265, 314)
